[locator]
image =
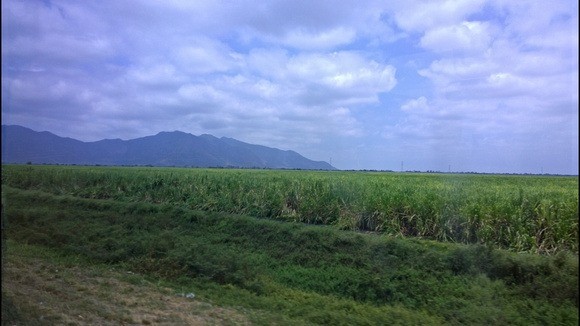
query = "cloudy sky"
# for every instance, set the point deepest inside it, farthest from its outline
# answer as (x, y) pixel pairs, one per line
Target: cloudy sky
(485, 86)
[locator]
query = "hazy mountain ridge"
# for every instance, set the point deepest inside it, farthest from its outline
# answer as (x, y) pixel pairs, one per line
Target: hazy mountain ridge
(22, 145)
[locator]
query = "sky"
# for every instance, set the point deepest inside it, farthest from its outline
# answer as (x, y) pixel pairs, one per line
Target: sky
(450, 85)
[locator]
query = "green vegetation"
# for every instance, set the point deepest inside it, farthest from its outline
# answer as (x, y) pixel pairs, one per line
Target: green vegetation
(520, 213)
(142, 220)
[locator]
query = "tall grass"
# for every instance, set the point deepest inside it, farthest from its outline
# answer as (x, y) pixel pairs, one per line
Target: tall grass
(520, 213)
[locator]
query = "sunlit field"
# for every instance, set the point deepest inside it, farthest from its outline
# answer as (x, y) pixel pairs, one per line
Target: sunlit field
(519, 213)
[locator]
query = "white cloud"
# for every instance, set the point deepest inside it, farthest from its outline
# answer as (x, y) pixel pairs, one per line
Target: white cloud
(337, 78)
(470, 37)
(203, 56)
(419, 104)
(157, 74)
(341, 75)
(423, 15)
(268, 62)
(301, 39)
(201, 93)
(502, 87)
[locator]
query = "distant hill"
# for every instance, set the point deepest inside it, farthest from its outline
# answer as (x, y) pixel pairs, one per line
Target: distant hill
(22, 145)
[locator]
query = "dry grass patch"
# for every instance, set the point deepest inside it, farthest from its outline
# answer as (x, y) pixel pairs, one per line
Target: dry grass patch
(45, 292)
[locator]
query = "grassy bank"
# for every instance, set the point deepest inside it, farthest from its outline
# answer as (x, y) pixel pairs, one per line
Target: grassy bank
(302, 273)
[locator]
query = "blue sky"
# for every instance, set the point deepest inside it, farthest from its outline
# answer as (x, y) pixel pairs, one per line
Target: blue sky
(484, 86)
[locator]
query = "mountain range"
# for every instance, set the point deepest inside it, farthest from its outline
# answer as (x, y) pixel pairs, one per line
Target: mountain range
(23, 145)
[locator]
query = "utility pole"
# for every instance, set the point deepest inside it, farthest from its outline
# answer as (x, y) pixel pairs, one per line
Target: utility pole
(402, 166)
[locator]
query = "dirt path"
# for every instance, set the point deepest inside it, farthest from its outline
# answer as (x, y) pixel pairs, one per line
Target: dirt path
(44, 293)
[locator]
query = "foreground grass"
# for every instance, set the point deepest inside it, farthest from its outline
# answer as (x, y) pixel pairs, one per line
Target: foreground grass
(280, 273)
(41, 286)
(46, 286)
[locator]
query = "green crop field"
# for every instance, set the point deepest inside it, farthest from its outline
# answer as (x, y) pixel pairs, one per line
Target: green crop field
(290, 247)
(520, 213)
